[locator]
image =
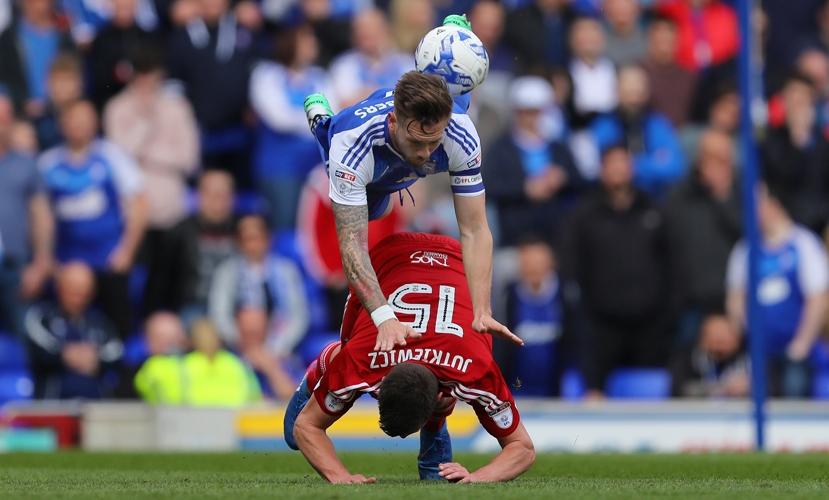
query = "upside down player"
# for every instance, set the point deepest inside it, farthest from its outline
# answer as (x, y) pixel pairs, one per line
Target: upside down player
(416, 385)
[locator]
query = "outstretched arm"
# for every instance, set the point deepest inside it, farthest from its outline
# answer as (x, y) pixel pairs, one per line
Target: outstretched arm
(317, 447)
(476, 245)
(352, 234)
(516, 457)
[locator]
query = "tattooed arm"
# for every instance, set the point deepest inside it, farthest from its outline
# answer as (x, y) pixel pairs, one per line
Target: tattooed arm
(352, 234)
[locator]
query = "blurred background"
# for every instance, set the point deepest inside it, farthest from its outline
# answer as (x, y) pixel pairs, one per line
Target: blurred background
(168, 242)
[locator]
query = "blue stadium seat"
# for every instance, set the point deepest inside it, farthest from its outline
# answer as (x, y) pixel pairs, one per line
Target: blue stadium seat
(13, 355)
(820, 386)
(573, 386)
(15, 385)
(313, 343)
(639, 383)
(820, 356)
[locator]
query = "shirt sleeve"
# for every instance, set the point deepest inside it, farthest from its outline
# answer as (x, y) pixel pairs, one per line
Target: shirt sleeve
(737, 271)
(351, 164)
(495, 406)
(333, 394)
(813, 272)
(463, 148)
(129, 180)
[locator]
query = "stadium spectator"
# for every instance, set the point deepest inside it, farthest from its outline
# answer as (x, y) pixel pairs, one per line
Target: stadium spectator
(111, 56)
(594, 75)
(716, 366)
(814, 64)
(791, 293)
(625, 37)
(159, 380)
(27, 48)
(26, 225)
(64, 87)
(488, 18)
(285, 152)
(723, 116)
(707, 32)
(617, 249)
(257, 283)
(212, 58)
(157, 127)
(648, 135)
(672, 87)
(535, 313)
(538, 34)
(72, 347)
(527, 174)
(792, 28)
(704, 214)
(98, 196)
(23, 138)
(207, 376)
(411, 399)
(411, 20)
(193, 249)
(796, 157)
(214, 376)
(374, 62)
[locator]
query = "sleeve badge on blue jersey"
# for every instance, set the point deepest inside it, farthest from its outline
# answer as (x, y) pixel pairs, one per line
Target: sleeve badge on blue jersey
(344, 181)
(474, 161)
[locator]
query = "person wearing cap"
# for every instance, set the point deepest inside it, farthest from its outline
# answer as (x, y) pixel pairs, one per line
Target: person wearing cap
(529, 172)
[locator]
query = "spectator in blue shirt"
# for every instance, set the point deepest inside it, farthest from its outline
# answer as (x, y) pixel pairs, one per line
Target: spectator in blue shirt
(97, 194)
(793, 293)
(649, 136)
(534, 313)
(26, 226)
(72, 347)
(285, 152)
(27, 48)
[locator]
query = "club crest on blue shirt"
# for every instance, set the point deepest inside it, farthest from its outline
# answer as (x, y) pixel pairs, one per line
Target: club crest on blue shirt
(429, 167)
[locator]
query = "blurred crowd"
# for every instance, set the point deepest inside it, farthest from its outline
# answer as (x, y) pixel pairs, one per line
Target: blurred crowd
(167, 234)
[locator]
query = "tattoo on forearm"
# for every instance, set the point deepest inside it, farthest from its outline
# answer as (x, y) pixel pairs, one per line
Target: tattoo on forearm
(352, 234)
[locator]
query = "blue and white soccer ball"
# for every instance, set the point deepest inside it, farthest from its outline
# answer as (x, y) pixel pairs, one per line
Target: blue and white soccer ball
(456, 54)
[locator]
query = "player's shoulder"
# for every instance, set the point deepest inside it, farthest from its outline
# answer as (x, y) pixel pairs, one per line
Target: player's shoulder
(461, 137)
(50, 159)
(369, 111)
(807, 242)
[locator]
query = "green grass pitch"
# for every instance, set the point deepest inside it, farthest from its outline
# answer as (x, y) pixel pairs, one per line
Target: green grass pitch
(263, 475)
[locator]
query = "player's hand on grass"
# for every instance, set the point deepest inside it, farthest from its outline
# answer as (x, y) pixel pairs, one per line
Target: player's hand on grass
(393, 333)
(486, 324)
(354, 479)
(455, 473)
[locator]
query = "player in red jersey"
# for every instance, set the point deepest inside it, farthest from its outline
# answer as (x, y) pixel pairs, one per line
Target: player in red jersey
(423, 278)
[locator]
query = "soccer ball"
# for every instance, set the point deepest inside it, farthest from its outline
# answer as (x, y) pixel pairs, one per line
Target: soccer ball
(456, 54)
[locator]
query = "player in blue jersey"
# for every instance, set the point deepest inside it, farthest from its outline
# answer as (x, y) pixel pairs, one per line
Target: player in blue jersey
(379, 147)
(792, 293)
(383, 145)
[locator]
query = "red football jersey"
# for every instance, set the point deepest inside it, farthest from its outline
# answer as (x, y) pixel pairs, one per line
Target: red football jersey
(423, 277)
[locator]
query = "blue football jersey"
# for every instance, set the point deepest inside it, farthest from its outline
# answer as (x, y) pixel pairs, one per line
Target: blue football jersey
(789, 273)
(362, 163)
(86, 199)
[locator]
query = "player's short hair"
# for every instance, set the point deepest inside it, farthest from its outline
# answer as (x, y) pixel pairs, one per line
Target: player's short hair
(406, 399)
(425, 99)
